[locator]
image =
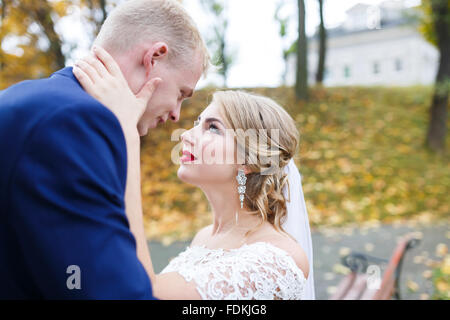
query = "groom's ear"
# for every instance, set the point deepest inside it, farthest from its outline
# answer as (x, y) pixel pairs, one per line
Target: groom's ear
(157, 52)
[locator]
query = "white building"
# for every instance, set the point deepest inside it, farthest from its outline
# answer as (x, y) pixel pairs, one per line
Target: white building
(376, 45)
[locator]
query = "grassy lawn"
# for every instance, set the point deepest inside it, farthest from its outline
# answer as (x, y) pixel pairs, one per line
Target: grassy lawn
(361, 156)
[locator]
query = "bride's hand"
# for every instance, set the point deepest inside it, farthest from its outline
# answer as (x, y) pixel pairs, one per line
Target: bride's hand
(101, 77)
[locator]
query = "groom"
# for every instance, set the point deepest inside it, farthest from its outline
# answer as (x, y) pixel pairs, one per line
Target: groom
(64, 233)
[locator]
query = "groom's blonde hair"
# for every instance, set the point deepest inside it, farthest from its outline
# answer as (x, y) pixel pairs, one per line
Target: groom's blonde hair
(135, 21)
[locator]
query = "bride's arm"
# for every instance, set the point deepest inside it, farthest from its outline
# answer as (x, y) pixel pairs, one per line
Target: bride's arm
(133, 203)
(105, 82)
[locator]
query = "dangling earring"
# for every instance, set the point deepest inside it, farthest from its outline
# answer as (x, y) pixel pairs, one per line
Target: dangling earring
(241, 179)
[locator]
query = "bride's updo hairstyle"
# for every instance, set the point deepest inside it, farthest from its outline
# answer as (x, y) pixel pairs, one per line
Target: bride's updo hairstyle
(274, 137)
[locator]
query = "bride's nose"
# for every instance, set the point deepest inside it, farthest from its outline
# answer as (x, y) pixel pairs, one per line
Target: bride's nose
(186, 137)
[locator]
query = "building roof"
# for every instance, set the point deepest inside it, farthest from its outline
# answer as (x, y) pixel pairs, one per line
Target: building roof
(405, 17)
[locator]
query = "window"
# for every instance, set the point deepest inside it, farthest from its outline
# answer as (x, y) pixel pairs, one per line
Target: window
(376, 67)
(326, 73)
(347, 71)
(398, 65)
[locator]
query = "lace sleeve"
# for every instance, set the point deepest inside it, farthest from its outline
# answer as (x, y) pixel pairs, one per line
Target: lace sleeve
(258, 271)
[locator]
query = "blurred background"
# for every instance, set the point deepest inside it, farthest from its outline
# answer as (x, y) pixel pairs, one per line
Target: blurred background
(367, 83)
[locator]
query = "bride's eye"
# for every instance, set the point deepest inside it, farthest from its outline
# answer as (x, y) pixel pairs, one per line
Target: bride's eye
(212, 127)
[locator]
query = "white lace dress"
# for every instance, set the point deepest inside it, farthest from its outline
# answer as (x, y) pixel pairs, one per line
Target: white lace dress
(259, 271)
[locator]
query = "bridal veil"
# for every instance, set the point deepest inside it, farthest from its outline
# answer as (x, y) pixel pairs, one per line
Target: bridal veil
(297, 222)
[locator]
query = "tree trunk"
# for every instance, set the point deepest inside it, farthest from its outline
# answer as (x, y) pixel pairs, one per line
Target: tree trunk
(286, 68)
(2, 17)
(301, 85)
(224, 59)
(322, 46)
(103, 8)
(437, 129)
(94, 5)
(43, 18)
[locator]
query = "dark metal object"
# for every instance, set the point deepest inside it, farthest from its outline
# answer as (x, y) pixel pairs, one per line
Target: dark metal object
(358, 262)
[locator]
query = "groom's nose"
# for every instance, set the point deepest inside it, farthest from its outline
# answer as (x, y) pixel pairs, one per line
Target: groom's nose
(174, 115)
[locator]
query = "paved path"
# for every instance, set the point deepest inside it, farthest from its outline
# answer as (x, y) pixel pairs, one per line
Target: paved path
(331, 244)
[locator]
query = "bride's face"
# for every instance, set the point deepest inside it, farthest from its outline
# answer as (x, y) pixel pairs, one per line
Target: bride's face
(208, 151)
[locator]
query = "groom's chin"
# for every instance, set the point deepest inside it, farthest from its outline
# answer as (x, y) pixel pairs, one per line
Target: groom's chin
(143, 130)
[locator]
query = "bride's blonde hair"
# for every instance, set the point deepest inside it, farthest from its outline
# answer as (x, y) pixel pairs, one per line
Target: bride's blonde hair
(274, 126)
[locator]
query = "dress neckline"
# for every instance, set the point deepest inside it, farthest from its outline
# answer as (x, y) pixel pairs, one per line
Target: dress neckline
(241, 247)
(245, 245)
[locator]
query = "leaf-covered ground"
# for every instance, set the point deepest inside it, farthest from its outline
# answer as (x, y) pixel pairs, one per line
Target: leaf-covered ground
(361, 156)
(441, 279)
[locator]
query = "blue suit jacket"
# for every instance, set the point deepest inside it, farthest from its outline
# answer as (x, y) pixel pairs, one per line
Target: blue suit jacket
(62, 183)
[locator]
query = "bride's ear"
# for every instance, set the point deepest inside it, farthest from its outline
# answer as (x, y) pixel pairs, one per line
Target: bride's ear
(245, 168)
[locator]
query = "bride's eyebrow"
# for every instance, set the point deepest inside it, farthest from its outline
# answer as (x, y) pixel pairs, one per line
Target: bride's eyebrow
(211, 119)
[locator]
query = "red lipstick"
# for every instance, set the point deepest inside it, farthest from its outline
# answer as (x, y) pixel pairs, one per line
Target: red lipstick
(187, 156)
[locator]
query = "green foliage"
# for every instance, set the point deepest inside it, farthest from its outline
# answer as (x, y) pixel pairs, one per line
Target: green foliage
(217, 8)
(282, 21)
(217, 40)
(427, 19)
(426, 22)
(292, 49)
(361, 157)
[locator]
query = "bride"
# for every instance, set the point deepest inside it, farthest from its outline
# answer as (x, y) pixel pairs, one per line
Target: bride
(259, 245)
